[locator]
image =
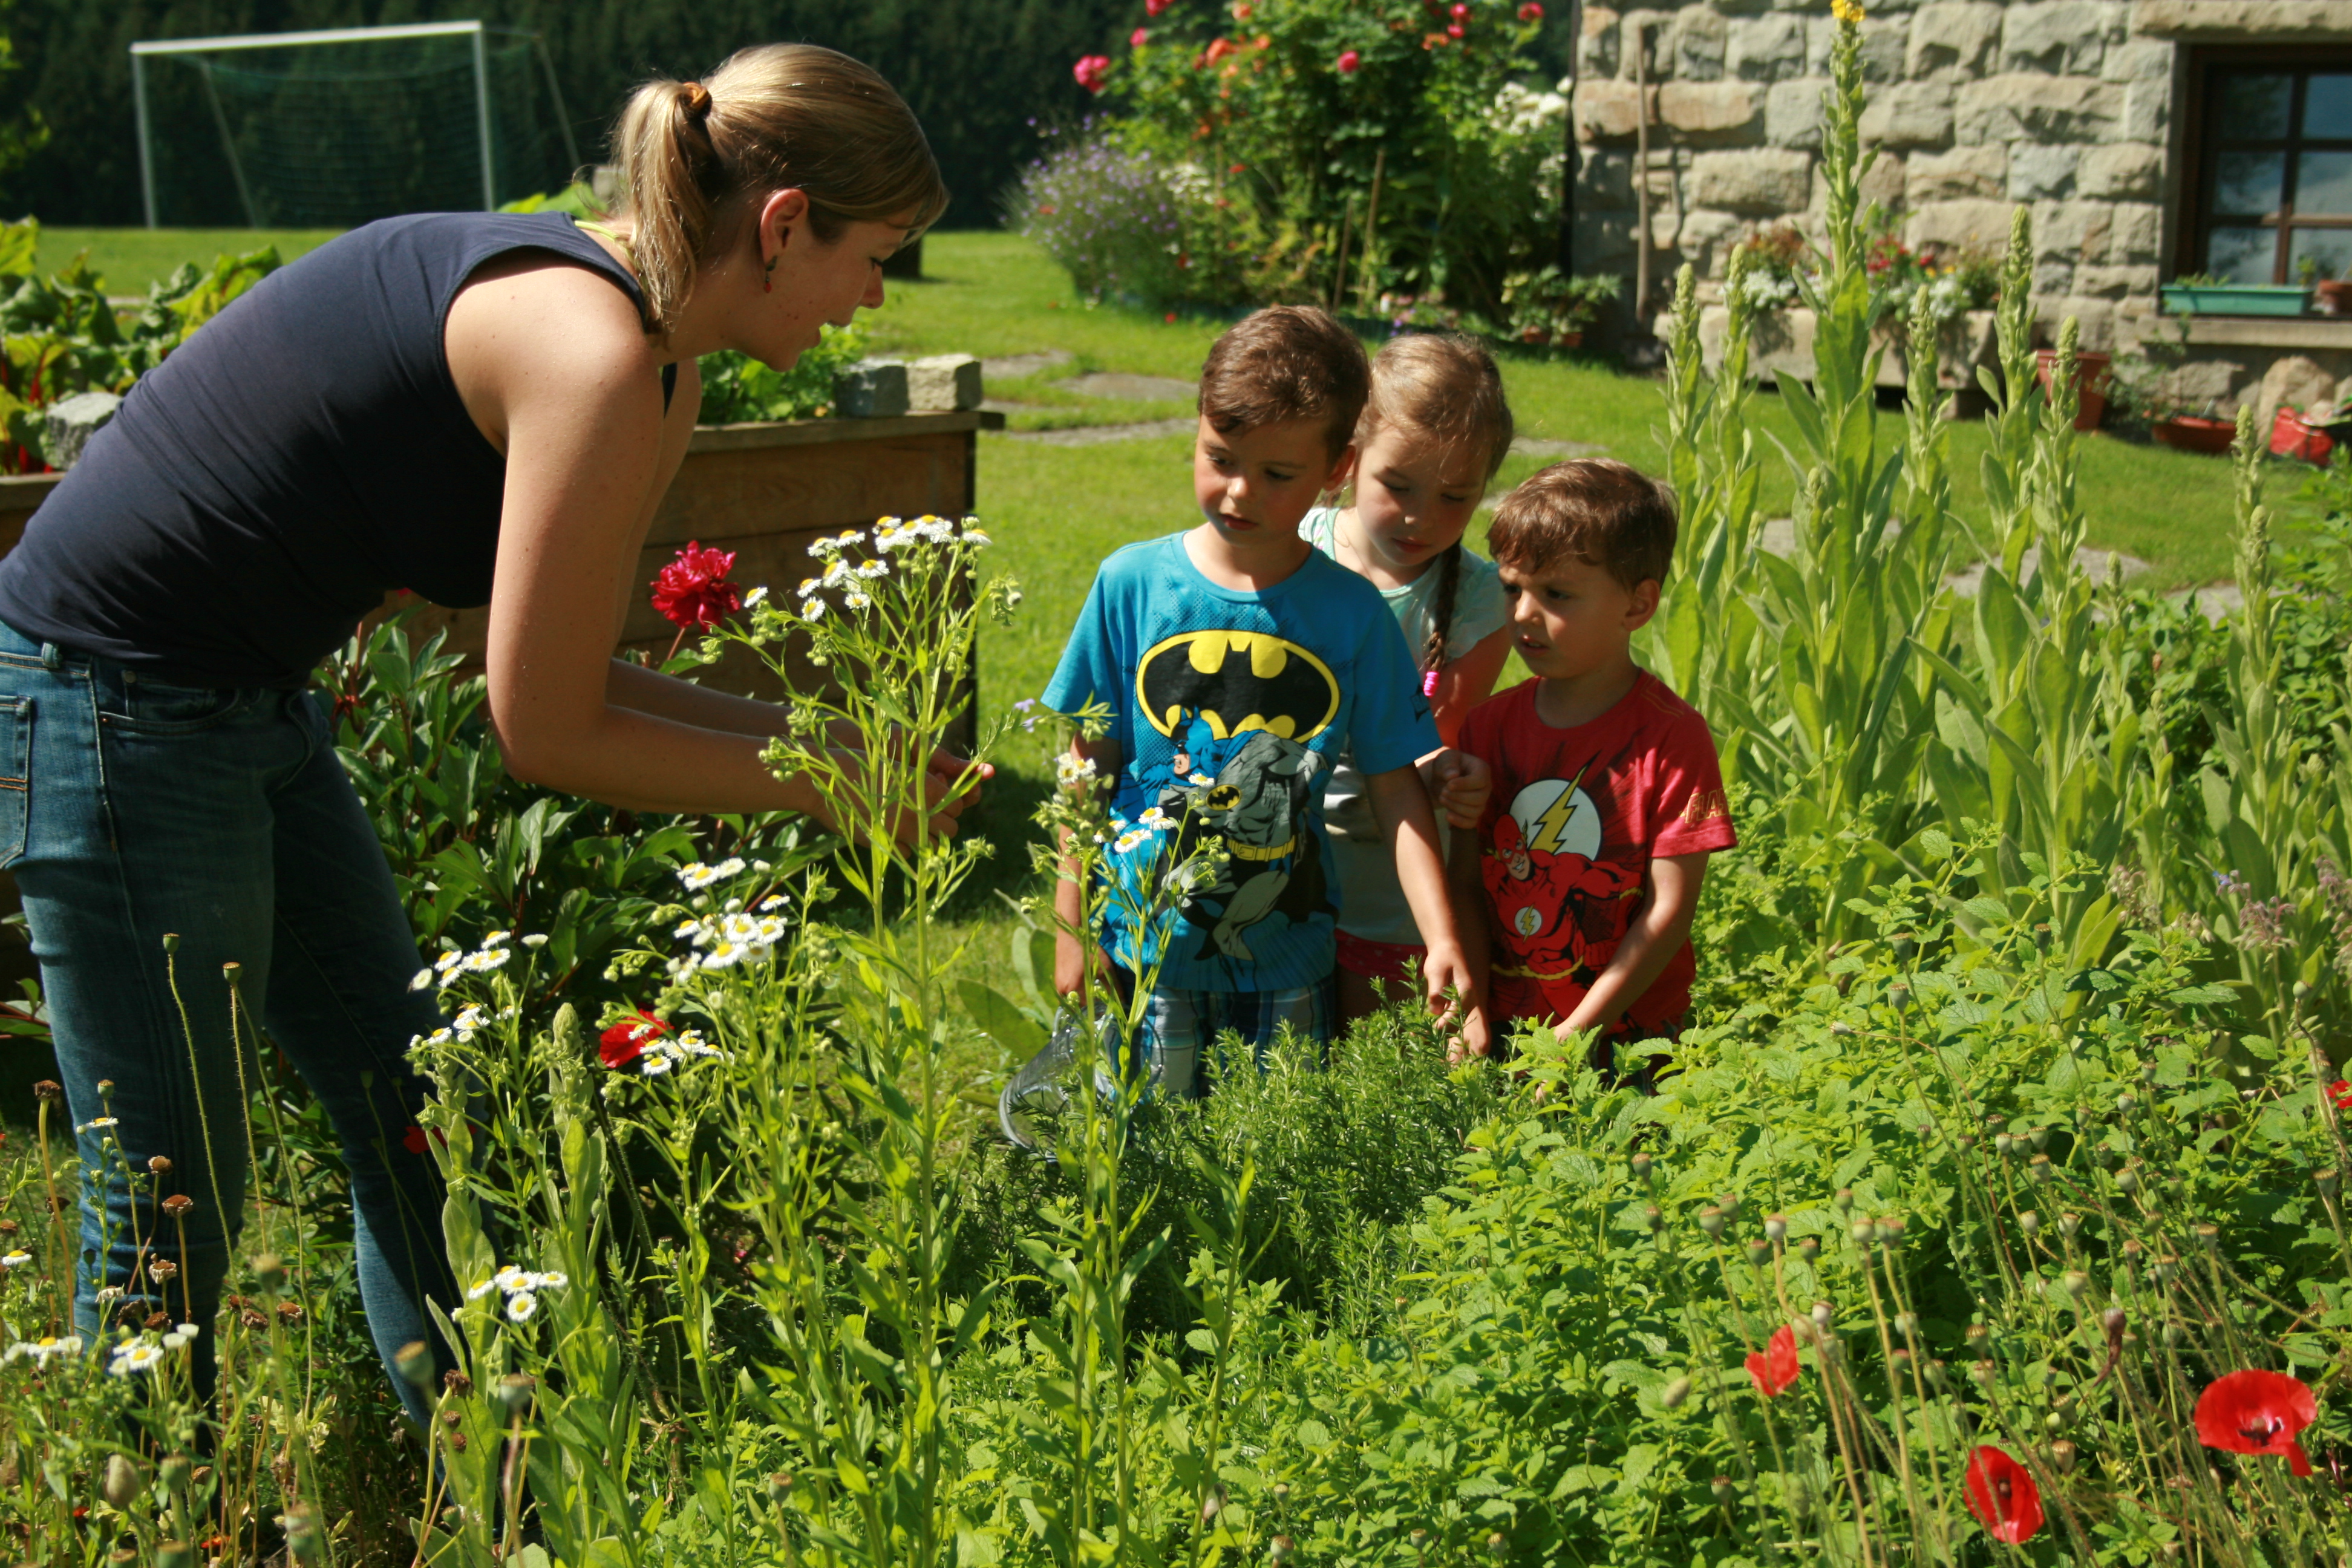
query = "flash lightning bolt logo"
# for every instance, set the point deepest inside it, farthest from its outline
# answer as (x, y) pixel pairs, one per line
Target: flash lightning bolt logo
(1553, 825)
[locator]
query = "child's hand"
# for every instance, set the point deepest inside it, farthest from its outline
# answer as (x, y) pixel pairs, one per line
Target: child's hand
(1446, 970)
(1474, 1039)
(1069, 964)
(1464, 783)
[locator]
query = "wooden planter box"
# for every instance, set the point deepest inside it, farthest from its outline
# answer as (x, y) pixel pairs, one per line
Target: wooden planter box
(763, 491)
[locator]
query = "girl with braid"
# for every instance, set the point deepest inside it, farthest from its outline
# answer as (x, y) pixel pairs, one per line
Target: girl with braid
(1432, 435)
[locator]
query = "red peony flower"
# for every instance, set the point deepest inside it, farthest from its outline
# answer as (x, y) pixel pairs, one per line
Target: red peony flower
(2257, 1412)
(414, 1140)
(2003, 1496)
(1140, 37)
(1776, 1366)
(1093, 72)
(2340, 1091)
(693, 590)
(1531, 12)
(625, 1041)
(1348, 60)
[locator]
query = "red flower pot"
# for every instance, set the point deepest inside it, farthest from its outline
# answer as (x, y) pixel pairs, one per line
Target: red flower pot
(2194, 433)
(2090, 383)
(2335, 297)
(2293, 436)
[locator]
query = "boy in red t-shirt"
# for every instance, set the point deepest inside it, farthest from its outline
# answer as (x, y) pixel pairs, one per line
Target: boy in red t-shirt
(1576, 892)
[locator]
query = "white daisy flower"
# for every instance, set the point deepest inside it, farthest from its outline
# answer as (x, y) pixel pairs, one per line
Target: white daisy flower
(875, 569)
(521, 1305)
(449, 961)
(1072, 771)
(133, 1358)
(1128, 841)
(15, 1259)
(536, 939)
(423, 981)
(857, 601)
(657, 1064)
(974, 536)
(697, 875)
(101, 1124)
(755, 596)
(495, 938)
(723, 955)
(730, 866)
(813, 609)
(1156, 819)
(186, 1331)
(1201, 779)
(774, 901)
(482, 963)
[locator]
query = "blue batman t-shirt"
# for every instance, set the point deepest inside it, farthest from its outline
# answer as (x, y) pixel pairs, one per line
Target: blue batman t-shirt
(1229, 708)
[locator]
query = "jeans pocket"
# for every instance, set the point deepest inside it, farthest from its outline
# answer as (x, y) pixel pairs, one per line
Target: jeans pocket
(16, 776)
(156, 708)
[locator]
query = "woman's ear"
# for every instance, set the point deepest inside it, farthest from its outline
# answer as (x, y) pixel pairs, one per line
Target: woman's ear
(780, 214)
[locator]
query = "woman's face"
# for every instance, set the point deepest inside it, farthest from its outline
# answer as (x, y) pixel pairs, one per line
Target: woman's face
(783, 309)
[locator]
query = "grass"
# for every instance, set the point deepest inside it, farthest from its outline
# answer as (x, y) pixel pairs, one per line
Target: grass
(129, 259)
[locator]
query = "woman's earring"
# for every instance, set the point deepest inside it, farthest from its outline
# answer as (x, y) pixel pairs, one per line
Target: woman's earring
(768, 280)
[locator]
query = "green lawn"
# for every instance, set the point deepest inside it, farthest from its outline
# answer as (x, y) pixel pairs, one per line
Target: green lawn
(131, 258)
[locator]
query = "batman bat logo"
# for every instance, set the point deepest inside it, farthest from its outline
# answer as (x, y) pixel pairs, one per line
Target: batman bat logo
(1237, 681)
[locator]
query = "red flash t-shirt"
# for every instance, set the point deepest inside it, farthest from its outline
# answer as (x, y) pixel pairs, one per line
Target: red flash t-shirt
(1566, 841)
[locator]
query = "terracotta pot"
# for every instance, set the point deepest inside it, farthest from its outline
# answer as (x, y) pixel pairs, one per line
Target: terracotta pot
(2090, 383)
(2335, 297)
(2192, 433)
(2293, 436)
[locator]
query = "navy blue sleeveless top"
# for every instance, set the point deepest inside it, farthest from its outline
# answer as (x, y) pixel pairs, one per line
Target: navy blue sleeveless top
(302, 454)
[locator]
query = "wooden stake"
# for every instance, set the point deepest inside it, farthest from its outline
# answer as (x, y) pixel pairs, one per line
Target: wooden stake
(1641, 170)
(1339, 262)
(1372, 224)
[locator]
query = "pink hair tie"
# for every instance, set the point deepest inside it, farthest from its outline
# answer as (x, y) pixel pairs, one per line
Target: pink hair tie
(1429, 684)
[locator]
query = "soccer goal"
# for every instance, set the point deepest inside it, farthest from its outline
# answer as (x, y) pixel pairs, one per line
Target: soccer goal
(334, 128)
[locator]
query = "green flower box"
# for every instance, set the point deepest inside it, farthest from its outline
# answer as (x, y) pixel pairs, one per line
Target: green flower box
(2233, 299)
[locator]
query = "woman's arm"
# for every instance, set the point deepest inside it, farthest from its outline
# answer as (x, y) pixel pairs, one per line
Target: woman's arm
(1075, 952)
(1468, 892)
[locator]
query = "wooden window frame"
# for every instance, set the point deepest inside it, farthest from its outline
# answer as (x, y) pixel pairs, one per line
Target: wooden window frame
(2205, 63)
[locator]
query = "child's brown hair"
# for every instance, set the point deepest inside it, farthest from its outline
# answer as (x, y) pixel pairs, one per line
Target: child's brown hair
(1595, 510)
(1287, 362)
(1446, 387)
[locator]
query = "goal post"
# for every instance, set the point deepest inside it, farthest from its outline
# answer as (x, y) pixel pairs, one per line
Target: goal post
(245, 61)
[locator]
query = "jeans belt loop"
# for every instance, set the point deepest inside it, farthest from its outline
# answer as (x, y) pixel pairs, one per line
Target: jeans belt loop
(53, 658)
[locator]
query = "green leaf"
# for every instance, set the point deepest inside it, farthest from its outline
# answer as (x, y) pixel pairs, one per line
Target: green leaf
(1019, 1035)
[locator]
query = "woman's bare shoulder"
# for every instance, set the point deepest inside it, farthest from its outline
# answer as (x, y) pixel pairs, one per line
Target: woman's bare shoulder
(532, 326)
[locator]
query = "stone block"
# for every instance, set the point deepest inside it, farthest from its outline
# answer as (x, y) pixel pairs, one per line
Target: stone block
(1707, 239)
(2075, 231)
(1958, 225)
(2146, 111)
(2068, 36)
(1792, 113)
(2245, 21)
(1883, 42)
(1720, 110)
(1951, 39)
(1881, 183)
(1910, 114)
(1651, 30)
(1604, 181)
(1764, 180)
(2138, 59)
(2039, 173)
(1767, 49)
(1963, 174)
(67, 425)
(871, 389)
(2202, 379)
(1604, 241)
(1610, 110)
(1701, 39)
(2096, 317)
(2028, 106)
(2115, 283)
(2136, 234)
(2120, 170)
(944, 382)
(2293, 382)
(1596, 49)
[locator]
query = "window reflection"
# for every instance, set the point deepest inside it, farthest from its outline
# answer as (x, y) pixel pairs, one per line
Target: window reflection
(2328, 106)
(2331, 249)
(2243, 255)
(2323, 184)
(2248, 181)
(2254, 108)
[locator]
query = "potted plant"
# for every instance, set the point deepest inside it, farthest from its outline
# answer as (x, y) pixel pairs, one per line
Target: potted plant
(2091, 375)
(2333, 296)
(2141, 395)
(1548, 308)
(2202, 294)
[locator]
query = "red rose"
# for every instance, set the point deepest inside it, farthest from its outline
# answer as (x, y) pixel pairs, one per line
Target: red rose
(625, 1041)
(2257, 1412)
(1455, 29)
(2003, 1496)
(1093, 72)
(1348, 60)
(1141, 37)
(1153, 7)
(1776, 1366)
(693, 590)
(1531, 12)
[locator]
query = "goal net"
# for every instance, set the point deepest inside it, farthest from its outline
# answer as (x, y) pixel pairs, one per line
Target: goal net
(327, 129)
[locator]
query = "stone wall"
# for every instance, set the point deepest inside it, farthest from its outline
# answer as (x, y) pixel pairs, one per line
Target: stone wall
(2067, 106)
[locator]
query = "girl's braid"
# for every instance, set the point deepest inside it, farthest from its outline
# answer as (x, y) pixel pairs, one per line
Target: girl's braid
(1441, 613)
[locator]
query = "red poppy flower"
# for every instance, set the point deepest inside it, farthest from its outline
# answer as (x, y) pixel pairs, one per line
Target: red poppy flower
(2340, 1091)
(1776, 1366)
(2003, 1496)
(625, 1041)
(2257, 1412)
(693, 590)
(1093, 72)
(415, 1141)
(1348, 60)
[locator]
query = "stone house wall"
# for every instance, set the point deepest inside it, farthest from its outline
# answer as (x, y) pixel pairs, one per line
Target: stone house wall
(2069, 107)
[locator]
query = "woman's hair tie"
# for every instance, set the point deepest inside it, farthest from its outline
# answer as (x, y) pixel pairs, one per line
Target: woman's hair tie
(696, 99)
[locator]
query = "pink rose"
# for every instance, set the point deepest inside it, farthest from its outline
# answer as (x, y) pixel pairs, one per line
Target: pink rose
(1531, 12)
(1348, 60)
(1142, 35)
(1093, 72)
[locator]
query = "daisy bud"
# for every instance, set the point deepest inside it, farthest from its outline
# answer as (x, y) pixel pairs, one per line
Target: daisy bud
(1710, 1220)
(1721, 1488)
(2053, 1421)
(414, 1363)
(2062, 1456)
(2029, 1222)
(1776, 1226)
(121, 1483)
(1675, 1392)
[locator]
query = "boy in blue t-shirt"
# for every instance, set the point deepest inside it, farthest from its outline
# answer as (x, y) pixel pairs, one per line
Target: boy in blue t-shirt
(1238, 662)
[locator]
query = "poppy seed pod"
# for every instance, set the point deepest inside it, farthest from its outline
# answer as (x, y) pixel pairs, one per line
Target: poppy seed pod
(2003, 1143)
(1939, 1376)
(2164, 1268)
(2127, 1180)
(2125, 1102)
(176, 1471)
(1654, 1217)
(1844, 1201)
(1722, 1489)
(515, 1392)
(2040, 1168)
(121, 1485)
(1808, 1247)
(1890, 1229)
(2068, 1223)
(2038, 1136)
(48, 1090)
(1979, 1340)
(1862, 1231)
(1710, 1220)
(170, 941)
(1281, 1548)
(1641, 1165)
(1984, 1371)
(1823, 1315)
(159, 1166)
(1898, 995)
(269, 1271)
(2029, 1222)
(2328, 1181)
(2062, 1456)
(1759, 1253)
(1776, 1226)
(1730, 1203)
(2077, 1283)
(780, 1489)
(233, 972)
(1420, 1538)
(2211, 1235)
(1494, 1545)
(1672, 1395)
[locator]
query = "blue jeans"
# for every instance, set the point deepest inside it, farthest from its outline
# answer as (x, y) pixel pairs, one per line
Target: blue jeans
(130, 809)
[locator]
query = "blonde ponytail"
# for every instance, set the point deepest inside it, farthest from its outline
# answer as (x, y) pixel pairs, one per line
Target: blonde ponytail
(772, 118)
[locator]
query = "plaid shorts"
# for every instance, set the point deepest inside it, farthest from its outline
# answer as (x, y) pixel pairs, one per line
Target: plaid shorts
(1181, 1028)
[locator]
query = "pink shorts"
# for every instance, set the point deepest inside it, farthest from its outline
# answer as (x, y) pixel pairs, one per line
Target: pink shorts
(1378, 960)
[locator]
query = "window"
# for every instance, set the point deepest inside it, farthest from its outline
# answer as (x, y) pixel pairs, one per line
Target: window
(2273, 172)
